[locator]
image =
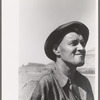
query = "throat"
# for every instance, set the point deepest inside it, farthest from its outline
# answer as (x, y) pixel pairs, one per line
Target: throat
(67, 69)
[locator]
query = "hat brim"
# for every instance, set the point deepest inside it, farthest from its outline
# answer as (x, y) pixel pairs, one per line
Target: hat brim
(60, 32)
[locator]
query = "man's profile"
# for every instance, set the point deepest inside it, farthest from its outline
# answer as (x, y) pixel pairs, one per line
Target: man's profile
(65, 46)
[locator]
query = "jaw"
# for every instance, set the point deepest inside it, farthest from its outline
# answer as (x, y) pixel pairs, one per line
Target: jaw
(80, 64)
(77, 62)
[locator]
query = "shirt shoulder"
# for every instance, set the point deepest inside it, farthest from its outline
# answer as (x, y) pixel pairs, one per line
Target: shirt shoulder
(29, 79)
(32, 74)
(81, 79)
(84, 85)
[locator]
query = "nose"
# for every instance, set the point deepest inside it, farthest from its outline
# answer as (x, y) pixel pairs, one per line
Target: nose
(80, 47)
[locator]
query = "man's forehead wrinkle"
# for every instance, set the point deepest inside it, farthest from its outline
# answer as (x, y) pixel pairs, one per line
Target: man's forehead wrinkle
(70, 37)
(73, 36)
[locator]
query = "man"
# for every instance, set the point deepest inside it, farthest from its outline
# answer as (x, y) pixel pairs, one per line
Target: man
(60, 80)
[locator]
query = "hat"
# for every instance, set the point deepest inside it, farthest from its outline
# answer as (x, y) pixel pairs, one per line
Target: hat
(58, 34)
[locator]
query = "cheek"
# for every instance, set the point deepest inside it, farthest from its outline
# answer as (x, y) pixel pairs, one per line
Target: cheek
(67, 52)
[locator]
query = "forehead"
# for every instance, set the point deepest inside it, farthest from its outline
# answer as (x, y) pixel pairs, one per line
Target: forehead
(72, 36)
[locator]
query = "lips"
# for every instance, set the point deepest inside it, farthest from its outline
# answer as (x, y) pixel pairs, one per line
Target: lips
(79, 54)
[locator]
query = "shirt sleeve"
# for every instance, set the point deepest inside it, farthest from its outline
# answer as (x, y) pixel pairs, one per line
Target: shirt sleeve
(27, 90)
(43, 89)
(38, 90)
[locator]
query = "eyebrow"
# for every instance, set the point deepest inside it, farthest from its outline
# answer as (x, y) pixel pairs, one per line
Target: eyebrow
(76, 39)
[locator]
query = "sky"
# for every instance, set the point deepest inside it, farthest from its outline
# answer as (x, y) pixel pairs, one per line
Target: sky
(38, 18)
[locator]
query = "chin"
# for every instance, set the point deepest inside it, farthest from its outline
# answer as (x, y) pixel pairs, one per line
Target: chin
(80, 64)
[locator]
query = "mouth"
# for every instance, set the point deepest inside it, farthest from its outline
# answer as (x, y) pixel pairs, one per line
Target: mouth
(79, 54)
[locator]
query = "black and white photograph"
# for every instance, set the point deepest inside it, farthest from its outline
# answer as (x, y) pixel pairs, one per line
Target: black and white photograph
(57, 45)
(57, 50)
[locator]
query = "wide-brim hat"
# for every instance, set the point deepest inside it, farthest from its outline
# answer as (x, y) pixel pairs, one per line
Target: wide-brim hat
(57, 35)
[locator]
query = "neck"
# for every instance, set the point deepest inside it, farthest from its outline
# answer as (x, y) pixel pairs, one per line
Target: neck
(67, 69)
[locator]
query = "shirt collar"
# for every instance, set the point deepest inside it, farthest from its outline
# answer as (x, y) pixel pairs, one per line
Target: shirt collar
(60, 76)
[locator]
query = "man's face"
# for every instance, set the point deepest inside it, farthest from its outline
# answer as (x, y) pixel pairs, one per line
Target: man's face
(72, 49)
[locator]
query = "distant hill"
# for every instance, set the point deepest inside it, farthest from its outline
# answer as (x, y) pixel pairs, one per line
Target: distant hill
(31, 67)
(90, 59)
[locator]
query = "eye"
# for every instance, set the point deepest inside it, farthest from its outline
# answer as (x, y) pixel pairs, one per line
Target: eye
(74, 43)
(83, 43)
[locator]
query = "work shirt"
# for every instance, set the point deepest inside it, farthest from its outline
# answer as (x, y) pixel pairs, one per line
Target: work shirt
(52, 84)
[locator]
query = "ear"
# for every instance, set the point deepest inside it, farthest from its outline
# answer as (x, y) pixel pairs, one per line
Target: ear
(56, 50)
